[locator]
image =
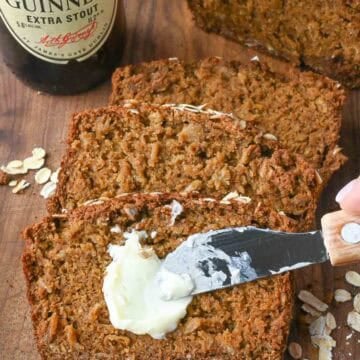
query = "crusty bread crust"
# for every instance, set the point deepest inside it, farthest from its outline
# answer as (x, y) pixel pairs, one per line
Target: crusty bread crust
(146, 148)
(323, 35)
(64, 261)
(302, 109)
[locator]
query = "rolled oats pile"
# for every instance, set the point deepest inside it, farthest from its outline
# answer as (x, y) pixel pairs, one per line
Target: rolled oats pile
(12, 174)
(323, 321)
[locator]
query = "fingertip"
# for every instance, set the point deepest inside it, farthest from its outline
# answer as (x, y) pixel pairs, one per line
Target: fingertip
(344, 192)
(349, 196)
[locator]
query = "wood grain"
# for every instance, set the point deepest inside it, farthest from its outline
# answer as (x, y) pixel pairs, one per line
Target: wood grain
(155, 29)
(340, 251)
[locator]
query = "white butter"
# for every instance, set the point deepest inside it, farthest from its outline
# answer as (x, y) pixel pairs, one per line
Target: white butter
(174, 286)
(132, 291)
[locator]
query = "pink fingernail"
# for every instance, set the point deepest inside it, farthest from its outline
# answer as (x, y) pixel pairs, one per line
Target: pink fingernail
(344, 191)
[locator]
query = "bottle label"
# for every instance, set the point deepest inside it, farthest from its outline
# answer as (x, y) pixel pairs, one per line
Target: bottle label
(58, 31)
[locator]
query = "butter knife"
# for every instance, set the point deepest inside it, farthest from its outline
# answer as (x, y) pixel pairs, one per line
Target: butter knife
(232, 256)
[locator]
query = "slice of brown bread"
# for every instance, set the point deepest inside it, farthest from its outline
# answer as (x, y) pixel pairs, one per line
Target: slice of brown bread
(302, 109)
(145, 148)
(321, 34)
(64, 262)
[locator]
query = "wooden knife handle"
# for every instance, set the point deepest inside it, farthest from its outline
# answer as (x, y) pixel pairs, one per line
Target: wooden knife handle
(341, 233)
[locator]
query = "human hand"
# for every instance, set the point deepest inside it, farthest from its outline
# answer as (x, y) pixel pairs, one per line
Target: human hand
(349, 197)
(341, 228)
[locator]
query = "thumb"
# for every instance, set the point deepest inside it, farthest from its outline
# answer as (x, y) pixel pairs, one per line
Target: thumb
(349, 197)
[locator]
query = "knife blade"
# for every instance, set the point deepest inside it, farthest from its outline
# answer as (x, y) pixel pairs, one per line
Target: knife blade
(232, 256)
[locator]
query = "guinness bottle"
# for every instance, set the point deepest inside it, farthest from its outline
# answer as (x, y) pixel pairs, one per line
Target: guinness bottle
(62, 46)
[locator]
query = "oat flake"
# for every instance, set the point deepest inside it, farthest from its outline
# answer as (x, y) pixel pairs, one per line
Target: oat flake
(330, 321)
(15, 164)
(342, 295)
(23, 184)
(310, 310)
(42, 176)
(31, 163)
(38, 153)
(295, 350)
(357, 303)
(353, 320)
(13, 183)
(55, 175)
(269, 136)
(353, 278)
(310, 299)
(14, 171)
(48, 190)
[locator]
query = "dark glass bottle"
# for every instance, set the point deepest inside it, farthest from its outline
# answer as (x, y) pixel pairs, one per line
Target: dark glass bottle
(62, 46)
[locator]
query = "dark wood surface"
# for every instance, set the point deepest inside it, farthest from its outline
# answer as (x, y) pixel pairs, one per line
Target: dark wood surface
(155, 29)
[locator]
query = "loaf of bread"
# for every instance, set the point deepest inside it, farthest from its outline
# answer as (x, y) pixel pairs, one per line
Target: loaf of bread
(302, 109)
(321, 34)
(65, 259)
(146, 148)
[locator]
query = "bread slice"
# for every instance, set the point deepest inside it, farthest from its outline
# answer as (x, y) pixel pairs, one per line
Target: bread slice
(302, 109)
(324, 35)
(145, 148)
(64, 262)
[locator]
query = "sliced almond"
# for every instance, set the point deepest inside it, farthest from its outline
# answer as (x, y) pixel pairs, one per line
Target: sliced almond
(295, 350)
(32, 163)
(310, 310)
(14, 171)
(357, 303)
(48, 190)
(15, 164)
(55, 175)
(353, 278)
(23, 184)
(38, 153)
(342, 295)
(330, 321)
(353, 320)
(43, 175)
(13, 183)
(310, 299)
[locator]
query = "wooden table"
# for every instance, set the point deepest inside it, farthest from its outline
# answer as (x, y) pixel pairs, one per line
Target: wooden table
(156, 29)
